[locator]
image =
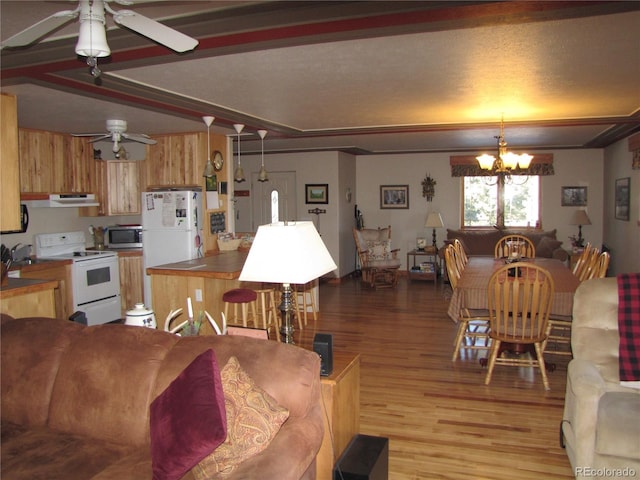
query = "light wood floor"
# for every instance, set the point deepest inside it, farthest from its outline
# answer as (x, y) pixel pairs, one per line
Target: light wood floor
(441, 420)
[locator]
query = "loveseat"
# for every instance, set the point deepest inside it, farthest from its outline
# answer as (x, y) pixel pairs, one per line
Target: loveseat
(483, 242)
(76, 400)
(601, 420)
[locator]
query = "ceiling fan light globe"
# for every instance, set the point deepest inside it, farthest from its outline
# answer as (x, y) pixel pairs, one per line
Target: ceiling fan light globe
(92, 41)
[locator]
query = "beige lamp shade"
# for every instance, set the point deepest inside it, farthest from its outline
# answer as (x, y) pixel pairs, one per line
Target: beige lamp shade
(287, 252)
(580, 217)
(434, 220)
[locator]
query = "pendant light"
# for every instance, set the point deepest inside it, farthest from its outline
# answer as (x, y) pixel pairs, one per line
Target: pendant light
(238, 176)
(208, 169)
(92, 39)
(263, 176)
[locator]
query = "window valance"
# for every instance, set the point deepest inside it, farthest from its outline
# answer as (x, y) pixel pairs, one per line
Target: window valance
(467, 166)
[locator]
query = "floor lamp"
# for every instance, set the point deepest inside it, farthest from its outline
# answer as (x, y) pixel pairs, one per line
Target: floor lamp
(286, 253)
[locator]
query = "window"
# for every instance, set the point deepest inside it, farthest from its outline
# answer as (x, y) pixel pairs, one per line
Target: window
(486, 200)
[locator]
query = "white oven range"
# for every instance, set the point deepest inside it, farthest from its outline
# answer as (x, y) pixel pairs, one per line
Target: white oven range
(95, 275)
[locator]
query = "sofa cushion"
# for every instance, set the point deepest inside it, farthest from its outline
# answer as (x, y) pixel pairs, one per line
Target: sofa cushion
(546, 246)
(187, 420)
(253, 419)
(476, 242)
(615, 434)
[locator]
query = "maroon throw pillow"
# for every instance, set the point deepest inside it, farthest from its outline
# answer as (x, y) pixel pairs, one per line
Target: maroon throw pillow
(188, 420)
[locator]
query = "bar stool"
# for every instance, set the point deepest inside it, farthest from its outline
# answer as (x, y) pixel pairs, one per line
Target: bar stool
(246, 298)
(267, 310)
(304, 298)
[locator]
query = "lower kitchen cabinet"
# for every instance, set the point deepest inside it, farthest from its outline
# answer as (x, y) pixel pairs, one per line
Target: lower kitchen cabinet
(131, 280)
(63, 294)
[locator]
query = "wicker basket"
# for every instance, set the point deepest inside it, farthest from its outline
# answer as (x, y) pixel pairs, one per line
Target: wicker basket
(229, 245)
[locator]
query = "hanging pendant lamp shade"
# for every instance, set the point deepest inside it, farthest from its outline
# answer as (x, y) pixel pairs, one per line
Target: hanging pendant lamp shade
(209, 171)
(263, 176)
(239, 173)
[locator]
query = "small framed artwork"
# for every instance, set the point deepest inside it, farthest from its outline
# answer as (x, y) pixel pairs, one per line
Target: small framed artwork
(622, 198)
(317, 193)
(574, 196)
(212, 183)
(394, 196)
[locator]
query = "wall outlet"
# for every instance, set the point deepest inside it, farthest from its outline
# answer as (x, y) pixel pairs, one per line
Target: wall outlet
(198, 295)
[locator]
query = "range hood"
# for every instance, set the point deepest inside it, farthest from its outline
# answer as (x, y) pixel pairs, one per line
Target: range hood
(63, 200)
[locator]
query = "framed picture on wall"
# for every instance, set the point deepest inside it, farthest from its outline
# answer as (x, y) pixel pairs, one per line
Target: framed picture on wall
(316, 193)
(394, 196)
(574, 197)
(622, 198)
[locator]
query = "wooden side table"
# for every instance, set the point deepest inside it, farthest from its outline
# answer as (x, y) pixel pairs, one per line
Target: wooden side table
(432, 261)
(341, 400)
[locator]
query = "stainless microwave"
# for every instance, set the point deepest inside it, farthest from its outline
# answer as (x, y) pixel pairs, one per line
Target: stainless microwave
(124, 236)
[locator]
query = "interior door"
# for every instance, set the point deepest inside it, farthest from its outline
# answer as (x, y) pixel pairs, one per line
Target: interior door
(282, 182)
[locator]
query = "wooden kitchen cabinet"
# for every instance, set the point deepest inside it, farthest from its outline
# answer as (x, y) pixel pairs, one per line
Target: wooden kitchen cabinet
(55, 270)
(117, 188)
(131, 283)
(10, 207)
(55, 163)
(176, 160)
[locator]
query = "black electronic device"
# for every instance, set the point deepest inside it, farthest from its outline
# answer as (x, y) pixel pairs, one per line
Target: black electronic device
(365, 458)
(323, 346)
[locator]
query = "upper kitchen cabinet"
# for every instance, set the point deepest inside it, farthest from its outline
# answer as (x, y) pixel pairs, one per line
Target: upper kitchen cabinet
(117, 188)
(176, 159)
(55, 163)
(10, 209)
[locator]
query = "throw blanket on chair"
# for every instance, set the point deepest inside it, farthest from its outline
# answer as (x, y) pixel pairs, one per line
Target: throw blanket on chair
(629, 326)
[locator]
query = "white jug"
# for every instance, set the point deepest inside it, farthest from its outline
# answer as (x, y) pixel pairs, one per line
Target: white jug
(141, 316)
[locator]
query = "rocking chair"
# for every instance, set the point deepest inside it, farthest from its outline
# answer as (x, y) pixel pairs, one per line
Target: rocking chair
(379, 263)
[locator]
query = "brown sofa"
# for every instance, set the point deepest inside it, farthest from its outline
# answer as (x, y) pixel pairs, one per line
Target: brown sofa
(483, 242)
(76, 399)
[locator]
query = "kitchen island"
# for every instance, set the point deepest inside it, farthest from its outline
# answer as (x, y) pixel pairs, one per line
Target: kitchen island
(202, 279)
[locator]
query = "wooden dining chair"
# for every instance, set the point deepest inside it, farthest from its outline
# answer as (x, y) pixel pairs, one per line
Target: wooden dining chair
(519, 308)
(582, 260)
(598, 267)
(473, 325)
(525, 246)
(461, 255)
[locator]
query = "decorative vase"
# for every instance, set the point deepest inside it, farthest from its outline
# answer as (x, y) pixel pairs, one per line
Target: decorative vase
(141, 316)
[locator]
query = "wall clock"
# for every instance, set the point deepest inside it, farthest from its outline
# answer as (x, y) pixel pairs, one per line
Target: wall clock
(218, 160)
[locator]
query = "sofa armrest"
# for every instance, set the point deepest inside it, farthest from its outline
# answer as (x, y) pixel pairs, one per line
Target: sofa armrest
(290, 453)
(585, 386)
(560, 254)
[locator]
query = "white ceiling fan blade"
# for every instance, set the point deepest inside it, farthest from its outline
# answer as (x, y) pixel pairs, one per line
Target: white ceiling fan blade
(139, 137)
(156, 31)
(99, 136)
(43, 27)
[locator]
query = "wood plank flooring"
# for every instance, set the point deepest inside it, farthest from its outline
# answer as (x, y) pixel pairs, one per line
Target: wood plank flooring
(441, 420)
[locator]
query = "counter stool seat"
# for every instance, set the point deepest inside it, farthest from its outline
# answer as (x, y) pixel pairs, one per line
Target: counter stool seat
(246, 298)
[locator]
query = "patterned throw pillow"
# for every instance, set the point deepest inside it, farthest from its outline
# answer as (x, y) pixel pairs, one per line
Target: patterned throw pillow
(379, 250)
(253, 419)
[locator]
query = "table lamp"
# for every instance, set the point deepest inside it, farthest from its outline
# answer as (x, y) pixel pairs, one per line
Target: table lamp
(434, 220)
(286, 253)
(580, 218)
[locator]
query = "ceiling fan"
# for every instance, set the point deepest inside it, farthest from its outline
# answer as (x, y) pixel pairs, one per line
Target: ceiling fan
(117, 133)
(92, 40)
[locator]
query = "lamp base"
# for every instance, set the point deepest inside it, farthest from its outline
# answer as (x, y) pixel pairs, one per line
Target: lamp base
(286, 313)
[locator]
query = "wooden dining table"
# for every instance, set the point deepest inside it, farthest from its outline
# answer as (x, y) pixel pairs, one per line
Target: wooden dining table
(471, 291)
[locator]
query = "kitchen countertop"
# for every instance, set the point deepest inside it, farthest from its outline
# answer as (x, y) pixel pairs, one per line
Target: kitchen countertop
(22, 286)
(222, 265)
(39, 264)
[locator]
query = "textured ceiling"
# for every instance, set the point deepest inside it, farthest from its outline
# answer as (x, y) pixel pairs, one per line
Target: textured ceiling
(364, 77)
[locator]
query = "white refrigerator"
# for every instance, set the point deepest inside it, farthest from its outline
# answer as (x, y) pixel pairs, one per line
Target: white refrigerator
(172, 223)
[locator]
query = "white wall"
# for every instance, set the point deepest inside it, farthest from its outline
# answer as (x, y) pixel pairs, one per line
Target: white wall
(572, 168)
(622, 237)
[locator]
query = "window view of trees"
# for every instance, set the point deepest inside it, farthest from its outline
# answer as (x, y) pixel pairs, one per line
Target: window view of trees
(521, 201)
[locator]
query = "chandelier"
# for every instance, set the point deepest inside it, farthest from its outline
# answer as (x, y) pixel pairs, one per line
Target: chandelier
(507, 162)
